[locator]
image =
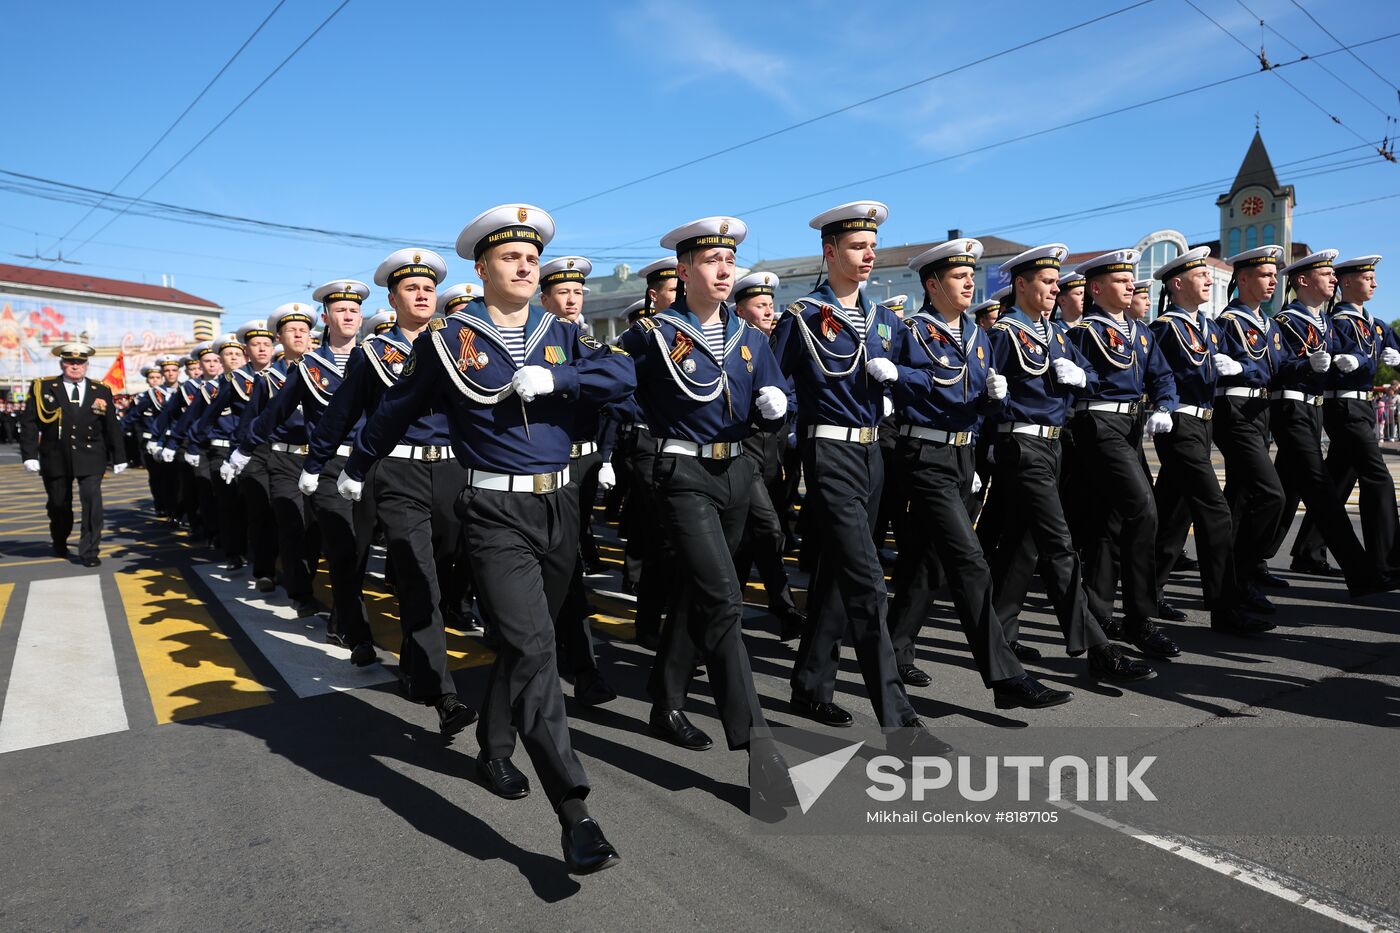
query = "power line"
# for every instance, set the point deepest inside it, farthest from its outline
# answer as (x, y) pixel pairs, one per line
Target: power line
(1336, 77)
(849, 107)
(198, 97)
(1266, 65)
(178, 162)
(1387, 81)
(1316, 210)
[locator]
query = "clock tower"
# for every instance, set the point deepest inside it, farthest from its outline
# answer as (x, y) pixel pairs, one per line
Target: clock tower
(1257, 210)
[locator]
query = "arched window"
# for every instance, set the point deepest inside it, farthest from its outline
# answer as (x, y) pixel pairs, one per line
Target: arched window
(1234, 241)
(1251, 237)
(1269, 236)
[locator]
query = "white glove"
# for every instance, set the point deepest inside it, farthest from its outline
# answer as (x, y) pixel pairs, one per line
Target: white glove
(167, 455)
(32, 466)
(772, 402)
(1390, 356)
(192, 459)
(118, 468)
(307, 483)
(1346, 363)
(1321, 361)
(887, 407)
(152, 448)
(996, 385)
(228, 472)
(352, 488)
(1067, 371)
(976, 483)
(881, 370)
(532, 381)
(238, 460)
(1226, 366)
(1159, 423)
(607, 477)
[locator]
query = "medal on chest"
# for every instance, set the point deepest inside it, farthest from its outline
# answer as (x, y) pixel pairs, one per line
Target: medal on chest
(830, 326)
(884, 331)
(469, 355)
(748, 358)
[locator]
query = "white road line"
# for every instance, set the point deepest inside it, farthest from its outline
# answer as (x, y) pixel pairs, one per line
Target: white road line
(308, 664)
(1304, 894)
(64, 649)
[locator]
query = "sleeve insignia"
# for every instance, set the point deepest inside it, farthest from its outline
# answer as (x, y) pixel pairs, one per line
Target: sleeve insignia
(589, 341)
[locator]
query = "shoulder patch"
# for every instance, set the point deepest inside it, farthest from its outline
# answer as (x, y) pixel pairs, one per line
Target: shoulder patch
(437, 323)
(589, 341)
(646, 323)
(795, 308)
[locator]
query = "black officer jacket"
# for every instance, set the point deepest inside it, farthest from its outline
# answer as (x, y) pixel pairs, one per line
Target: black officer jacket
(68, 439)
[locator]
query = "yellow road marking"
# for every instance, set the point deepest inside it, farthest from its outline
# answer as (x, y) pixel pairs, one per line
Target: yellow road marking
(190, 666)
(6, 589)
(463, 650)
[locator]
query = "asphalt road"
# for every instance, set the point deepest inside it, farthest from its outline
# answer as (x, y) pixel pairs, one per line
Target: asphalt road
(176, 751)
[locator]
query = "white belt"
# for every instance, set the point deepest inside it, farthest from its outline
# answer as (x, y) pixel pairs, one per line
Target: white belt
(537, 483)
(582, 449)
(344, 450)
(145, 435)
(429, 454)
(300, 449)
(951, 438)
(1021, 427)
(832, 432)
(1289, 395)
(719, 450)
(1196, 411)
(638, 426)
(1360, 394)
(1241, 392)
(1117, 408)
(220, 442)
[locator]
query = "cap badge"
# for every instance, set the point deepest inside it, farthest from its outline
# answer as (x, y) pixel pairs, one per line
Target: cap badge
(521, 215)
(723, 227)
(571, 263)
(871, 213)
(417, 257)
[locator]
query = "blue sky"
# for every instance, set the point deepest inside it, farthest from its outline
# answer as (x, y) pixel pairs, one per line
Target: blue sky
(405, 120)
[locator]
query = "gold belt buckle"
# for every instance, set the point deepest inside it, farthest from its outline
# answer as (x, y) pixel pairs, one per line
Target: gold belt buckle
(432, 454)
(962, 439)
(1052, 433)
(719, 450)
(867, 435)
(545, 482)
(1207, 414)
(575, 451)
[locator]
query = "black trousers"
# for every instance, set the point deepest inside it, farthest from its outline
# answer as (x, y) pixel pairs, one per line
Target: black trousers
(1355, 455)
(255, 486)
(844, 480)
(205, 504)
(335, 517)
(584, 473)
(163, 486)
(572, 632)
(1120, 529)
(762, 544)
(1252, 486)
(703, 506)
(298, 538)
(525, 547)
(1188, 493)
(1297, 430)
(59, 491)
(416, 504)
(938, 479)
(894, 505)
(1025, 492)
(648, 557)
(233, 526)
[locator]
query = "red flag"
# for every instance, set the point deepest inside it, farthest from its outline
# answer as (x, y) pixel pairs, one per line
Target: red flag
(116, 375)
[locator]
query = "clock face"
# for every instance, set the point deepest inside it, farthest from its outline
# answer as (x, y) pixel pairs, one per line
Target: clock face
(1252, 205)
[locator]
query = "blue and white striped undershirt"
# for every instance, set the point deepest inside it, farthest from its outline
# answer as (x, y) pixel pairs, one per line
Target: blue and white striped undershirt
(714, 337)
(341, 359)
(514, 338)
(1042, 327)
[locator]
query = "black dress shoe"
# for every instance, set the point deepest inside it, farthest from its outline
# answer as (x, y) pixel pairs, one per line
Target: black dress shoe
(1317, 568)
(1113, 628)
(913, 740)
(828, 714)
(1266, 577)
(590, 689)
(363, 654)
(771, 779)
(265, 585)
(791, 624)
(1170, 613)
(594, 567)
(1237, 622)
(466, 622)
(913, 677)
(502, 778)
(1025, 691)
(1185, 564)
(673, 726)
(310, 607)
(1108, 662)
(453, 714)
(60, 550)
(237, 563)
(586, 850)
(1024, 651)
(1154, 643)
(92, 562)
(1383, 584)
(1256, 600)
